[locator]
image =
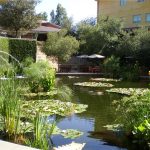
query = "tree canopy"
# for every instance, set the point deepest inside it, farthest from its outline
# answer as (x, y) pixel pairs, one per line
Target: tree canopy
(43, 16)
(60, 17)
(18, 15)
(61, 45)
(99, 38)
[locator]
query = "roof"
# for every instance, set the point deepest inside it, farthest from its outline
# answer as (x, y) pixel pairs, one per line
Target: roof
(44, 29)
(48, 24)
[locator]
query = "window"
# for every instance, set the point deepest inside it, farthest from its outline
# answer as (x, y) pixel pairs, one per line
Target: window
(123, 2)
(148, 17)
(140, 0)
(137, 18)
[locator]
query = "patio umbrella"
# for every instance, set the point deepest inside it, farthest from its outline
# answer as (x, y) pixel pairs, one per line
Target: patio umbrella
(83, 56)
(96, 56)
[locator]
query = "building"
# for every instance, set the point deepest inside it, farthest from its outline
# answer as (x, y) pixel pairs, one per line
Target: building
(134, 13)
(40, 33)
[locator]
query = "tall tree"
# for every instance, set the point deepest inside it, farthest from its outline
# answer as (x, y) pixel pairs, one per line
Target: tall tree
(43, 16)
(52, 14)
(60, 17)
(18, 15)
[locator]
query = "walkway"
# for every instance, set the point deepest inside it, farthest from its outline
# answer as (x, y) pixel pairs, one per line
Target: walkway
(11, 146)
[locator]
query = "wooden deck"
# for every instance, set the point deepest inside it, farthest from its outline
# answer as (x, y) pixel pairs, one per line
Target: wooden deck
(78, 74)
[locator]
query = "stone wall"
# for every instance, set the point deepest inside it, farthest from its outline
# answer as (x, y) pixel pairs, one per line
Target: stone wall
(41, 56)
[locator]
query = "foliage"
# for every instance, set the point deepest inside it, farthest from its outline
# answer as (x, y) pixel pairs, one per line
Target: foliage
(127, 45)
(7, 70)
(142, 130)
(112, 66)
(18, 15)
(18, 48)
(88, 21)
(135, 114)
(93, 84)
(10, 109)
(43, 16)
(130, 72)
(128, 91)
(100, 38)
(64, 93)
(41, 76)
(27, 62)
(61, 18)
(108, 38)
(142, 52)
(42, 132)
(21, 49)
(60, 45)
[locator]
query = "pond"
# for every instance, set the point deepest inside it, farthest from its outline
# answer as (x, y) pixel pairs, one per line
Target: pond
(100, 113)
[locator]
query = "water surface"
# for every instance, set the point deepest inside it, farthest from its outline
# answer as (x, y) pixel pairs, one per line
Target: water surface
(100, 113)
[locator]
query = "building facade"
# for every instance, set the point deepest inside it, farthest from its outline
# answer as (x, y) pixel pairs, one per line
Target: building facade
(134, 13)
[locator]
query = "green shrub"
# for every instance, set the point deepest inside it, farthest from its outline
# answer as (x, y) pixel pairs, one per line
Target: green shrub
(22, 49)
(112, 66)
(7, 70)
(41, 76)
(4, 47)
(18, 48)
(61, 45)
(131, 72)
(134, 114)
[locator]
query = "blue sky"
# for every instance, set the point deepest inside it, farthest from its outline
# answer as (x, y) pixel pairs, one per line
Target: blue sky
(78, 9)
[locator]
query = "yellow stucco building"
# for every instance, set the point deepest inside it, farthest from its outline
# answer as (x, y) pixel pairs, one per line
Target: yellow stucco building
(134, 13)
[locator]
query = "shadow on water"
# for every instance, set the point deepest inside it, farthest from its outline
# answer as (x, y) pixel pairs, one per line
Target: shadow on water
(100, 113)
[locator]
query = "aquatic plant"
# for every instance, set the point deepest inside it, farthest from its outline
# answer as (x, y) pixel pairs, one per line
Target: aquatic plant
(51, 107)
(64, 93)
(93, 84)
(128, 91)
(10, 110)
(105, 79)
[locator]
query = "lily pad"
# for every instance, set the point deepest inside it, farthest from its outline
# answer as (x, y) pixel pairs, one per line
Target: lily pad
(51, 107)
(70, 133)
(93, 84)
(105, 79)
(73, 77)
(96, 93)
(114, 127)
(39, 94)
(128, 91)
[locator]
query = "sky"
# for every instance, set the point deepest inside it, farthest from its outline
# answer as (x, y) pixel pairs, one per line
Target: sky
(78, 9)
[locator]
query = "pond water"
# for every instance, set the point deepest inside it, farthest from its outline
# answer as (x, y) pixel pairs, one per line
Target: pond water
(100, 113)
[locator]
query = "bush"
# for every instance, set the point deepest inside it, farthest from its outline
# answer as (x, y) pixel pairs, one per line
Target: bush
(22, 49)
(4, 47)
(41, 76)
(112, 66)
(134, 114)
(7, 70)
(131, 72)
(18, 48)
(60, 45)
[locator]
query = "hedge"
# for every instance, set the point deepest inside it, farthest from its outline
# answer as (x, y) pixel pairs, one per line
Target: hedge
(19, 48)
(4, 46)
